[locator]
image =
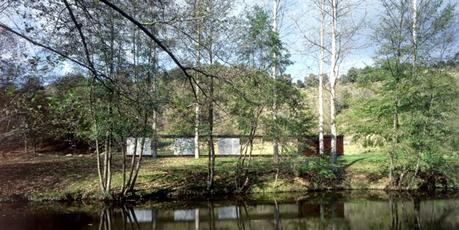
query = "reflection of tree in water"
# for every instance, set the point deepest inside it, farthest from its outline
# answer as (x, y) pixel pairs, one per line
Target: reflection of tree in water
(129, 218)
(397, 212)
(276, 215)
(210, 206)
(395, 222)
(126, 221)
(242, 215)
(322, 211)
(440, 221)
(422, 214)
(105, 220)
(417, 212)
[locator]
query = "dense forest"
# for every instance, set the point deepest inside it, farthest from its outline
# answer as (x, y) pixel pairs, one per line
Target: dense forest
(82, 76)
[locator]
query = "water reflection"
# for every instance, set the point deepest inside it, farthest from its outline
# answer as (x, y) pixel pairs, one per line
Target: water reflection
(323, 212)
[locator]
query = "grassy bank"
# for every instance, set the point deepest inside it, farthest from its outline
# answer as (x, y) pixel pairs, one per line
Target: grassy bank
(53, 177)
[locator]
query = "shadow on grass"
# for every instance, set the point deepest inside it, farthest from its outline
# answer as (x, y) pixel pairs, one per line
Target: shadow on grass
(345, 166)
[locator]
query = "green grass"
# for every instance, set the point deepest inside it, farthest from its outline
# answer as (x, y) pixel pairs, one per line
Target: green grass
(364, 163)
(76, 177)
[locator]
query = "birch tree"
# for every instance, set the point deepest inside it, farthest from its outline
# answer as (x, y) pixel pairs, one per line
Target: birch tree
(211, 20)
(274, 74)
(339, 23)
(333, 77)
(321, 77)
(198, 18)
(344, 26)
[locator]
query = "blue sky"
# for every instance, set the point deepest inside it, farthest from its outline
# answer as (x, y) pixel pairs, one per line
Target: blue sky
(299, 19)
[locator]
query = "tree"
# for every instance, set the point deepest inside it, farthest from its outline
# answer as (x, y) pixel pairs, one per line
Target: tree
(274, 71)
(398, 35)
(321, 77)
(337, 29)
(210, 21)
(333, 77)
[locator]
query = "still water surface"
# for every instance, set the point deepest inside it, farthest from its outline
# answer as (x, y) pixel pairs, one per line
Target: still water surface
(297, 211)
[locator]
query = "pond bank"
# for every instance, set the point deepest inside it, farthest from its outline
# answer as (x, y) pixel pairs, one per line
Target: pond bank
(66, 178)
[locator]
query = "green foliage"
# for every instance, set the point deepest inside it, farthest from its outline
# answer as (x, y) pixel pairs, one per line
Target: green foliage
(28, 110)
(255, 49)
(260, 44)
(424, 103)
(252, 86)
(431, 106)
(183, 115)
(70, 112)
(318, 170)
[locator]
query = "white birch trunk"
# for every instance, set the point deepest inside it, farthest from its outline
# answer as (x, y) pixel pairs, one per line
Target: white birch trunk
(198, 62)
(196, 130)
(321, 76)
(333, 76)
(154, 127)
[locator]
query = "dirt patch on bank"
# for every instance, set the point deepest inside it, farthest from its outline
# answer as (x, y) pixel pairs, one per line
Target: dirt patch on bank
(23, 175)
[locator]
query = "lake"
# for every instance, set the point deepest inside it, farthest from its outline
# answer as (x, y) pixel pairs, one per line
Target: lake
(337, 210)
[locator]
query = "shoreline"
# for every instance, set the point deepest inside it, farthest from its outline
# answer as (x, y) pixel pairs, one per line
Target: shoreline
(374, 194)
(73, 178)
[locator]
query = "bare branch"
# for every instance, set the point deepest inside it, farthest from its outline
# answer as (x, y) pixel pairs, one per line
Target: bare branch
(158, 42)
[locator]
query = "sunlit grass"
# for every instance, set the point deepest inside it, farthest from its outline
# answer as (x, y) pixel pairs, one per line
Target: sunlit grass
(78, 178)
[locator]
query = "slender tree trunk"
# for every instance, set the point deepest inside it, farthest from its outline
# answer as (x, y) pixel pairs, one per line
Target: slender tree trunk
(137, 166)
(211, 162)
(274, 70)
(414, 74)
(414, 33)
(135, 171)
(131, 167)
(123, 153)
(198, 63)
(196, 129)
(333, 124)
(105, 163)
(154, 127)
(392, 152)
(153, 79)
(154, 124)
(94, 117)
(243, 164)
(109, 164)
(99, 169)
(333, 76)
(110, 144)
(321, 78)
